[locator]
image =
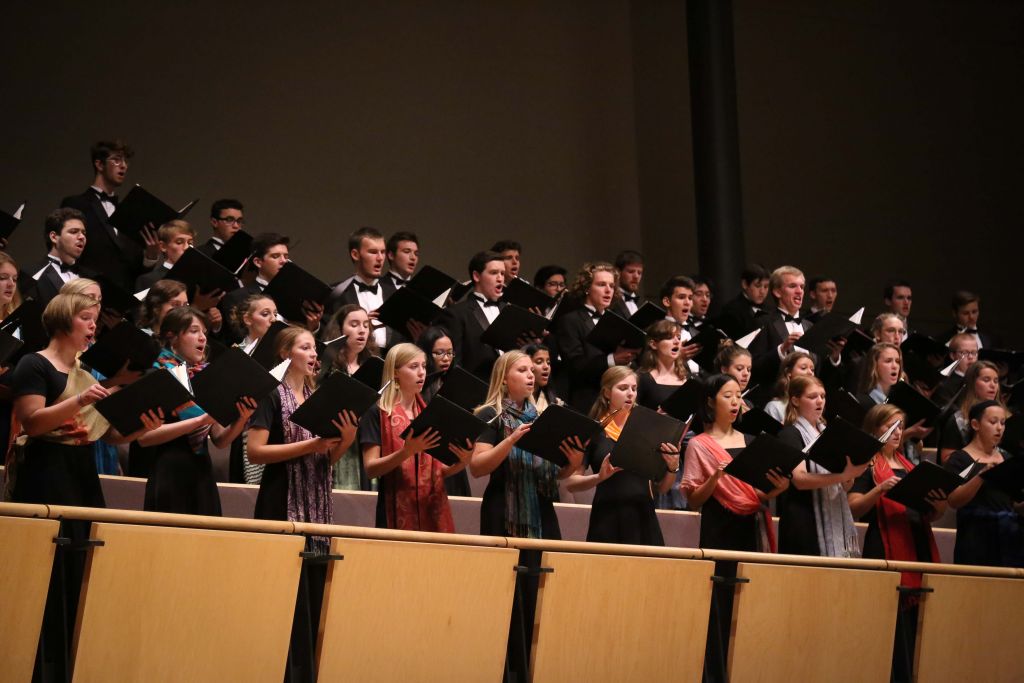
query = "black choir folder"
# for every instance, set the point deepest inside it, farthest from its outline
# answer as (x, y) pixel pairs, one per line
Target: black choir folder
(764, 454)
(463, 388)
(227, 379)
(647, 315)
(841, 403)
(526, 296)
(513, 328)
(139, 207)
(554, 425)
(684, 401)
(9, 345)
(912, 402)
(431, 282)
(839, 441)
(196, 269)
(613, 331)
(28, 317)
(404, 305)
(265, 352)
(291, 287)
(710, 339)
(913, 489)
(338, 393)
(10, 221)
(124, 343)
(1008, 476)
(833, 326)
(157, 389)
(235, 252)
(639, 446)
(454, 424)
(371, 372)
(756, 421)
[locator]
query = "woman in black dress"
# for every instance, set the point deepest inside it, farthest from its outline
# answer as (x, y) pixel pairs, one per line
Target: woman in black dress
(522, 489)
(296, 482)
(437, 346)
(988, 520)
(53, 462)
(735, 360)
(814, 514)
(623, 506)
(182, 479)
(661, 368)
(981, 383)
(543, 390)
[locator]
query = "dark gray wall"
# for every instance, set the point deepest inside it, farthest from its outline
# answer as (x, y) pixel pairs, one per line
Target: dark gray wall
(876, 138)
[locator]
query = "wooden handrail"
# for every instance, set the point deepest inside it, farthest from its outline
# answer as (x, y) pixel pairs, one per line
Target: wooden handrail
(279, 527)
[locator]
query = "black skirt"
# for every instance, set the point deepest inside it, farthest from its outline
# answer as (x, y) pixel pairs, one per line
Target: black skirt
(56, 474)
(182, 481)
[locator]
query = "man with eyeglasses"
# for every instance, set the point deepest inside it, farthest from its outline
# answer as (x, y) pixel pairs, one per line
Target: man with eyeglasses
(226, 218)
(963, 348)
(117, 256)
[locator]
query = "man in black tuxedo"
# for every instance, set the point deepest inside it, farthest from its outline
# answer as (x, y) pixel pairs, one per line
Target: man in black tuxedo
(822, 292)
(699, 312)
(403, 252)
(966, 310)
(270, 253)
(630, 265)
(226, 218)
(366, 287)
(511, 252)
(745, 313)
(467, 320)
(898, 298)
(117, 256)
(65, 236)
(782, 328)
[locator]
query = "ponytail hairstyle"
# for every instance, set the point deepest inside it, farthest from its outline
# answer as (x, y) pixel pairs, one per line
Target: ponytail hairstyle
(236, 316)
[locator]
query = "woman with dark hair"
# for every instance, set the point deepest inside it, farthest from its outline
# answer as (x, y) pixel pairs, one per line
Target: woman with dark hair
(551, 281)
(161, 298)
(182, 478)
(737, 361)
(437, 346)
(543, 389)
(661, 369)
(988, 520)
(795, 364)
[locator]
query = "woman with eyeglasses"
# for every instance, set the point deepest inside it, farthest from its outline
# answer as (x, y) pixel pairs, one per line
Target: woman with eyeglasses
(440, 353)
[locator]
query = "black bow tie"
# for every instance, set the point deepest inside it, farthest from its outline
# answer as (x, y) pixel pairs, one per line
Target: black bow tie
(757, 310)
(104, 197)
(486, 302)
(968, 330)
(787, 318)
(363, 287)
(64, 267)
(694, 321)
(595, 314)
(399, 281)
(628, 296)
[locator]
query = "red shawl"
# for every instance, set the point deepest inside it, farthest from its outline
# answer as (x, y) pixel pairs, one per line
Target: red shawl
(414, 495)
(703, 454)
(894, 525)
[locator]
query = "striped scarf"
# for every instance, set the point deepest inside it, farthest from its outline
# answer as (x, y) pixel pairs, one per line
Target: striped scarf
(530, 478)
(837, 535)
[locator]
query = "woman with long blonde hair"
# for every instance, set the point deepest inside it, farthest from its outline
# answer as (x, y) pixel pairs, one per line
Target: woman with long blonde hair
(522, 489)
(410, 491)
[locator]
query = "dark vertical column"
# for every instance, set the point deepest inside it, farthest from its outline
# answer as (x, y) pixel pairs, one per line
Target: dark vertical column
(716, 155)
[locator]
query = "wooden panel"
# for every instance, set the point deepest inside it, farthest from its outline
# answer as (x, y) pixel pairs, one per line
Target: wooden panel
(608, 618)
(415, 612)
(969, 629)
(166, 604)
(813, 624)
(26, 559)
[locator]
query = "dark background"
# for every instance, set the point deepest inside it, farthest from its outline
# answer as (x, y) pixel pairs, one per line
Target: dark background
(875, 140)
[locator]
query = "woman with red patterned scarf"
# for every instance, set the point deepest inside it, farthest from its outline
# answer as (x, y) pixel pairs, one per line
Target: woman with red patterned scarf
(895, 532)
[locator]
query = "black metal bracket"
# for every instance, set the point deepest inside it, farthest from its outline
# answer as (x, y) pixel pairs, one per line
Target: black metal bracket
(729, 580)
(83, 544)
(907, 590)
(318, 558)
(532, 571)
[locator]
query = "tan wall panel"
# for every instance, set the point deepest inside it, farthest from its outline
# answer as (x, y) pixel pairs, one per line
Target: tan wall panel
(415, 612)
(969, 629)
(813, 624)
(607, 618)
(26, 559)
(163, 604)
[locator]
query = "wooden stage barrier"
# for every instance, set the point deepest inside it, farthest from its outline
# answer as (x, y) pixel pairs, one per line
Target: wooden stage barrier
(970, 629)
(608, 618)
(26, 559)
(812, 624)
(396, 611)
(172, 604)
(180, 597)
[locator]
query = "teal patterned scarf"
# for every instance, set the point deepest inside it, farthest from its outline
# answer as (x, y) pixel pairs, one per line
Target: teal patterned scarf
(529, 478)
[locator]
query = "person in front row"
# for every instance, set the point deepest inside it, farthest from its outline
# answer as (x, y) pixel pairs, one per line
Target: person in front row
(988, 520)
(522, 489)
(411, 494)
(623, 506)
(814, 514)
